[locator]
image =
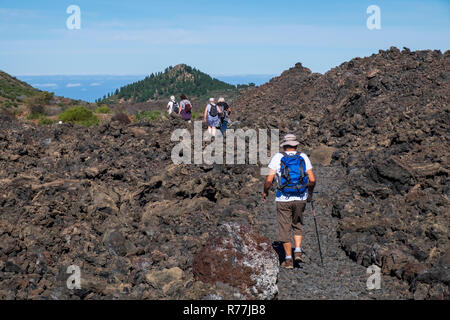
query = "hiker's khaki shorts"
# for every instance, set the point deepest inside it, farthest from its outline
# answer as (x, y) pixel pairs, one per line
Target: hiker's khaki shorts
(290, 217)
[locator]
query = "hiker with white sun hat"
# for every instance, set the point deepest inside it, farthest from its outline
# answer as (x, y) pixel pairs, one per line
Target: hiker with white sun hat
(295, 185)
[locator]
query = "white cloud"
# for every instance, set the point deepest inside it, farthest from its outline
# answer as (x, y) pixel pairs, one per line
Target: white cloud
(19, 13)
(45, 85)
(73, 85)
(95, 84)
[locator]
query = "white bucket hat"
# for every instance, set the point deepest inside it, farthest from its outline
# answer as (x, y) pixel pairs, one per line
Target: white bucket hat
(211, 99)
(290, 140)
(172, 98)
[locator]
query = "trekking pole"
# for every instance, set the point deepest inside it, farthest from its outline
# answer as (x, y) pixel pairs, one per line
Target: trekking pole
(317, 230)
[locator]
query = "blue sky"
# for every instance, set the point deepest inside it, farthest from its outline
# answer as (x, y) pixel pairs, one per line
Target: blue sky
(219, 37)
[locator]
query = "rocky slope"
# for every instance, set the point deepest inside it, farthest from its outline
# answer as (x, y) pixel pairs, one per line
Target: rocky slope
(110, 200)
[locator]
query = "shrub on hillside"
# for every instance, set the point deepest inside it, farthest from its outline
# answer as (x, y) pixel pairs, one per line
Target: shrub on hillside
(148, 115)
(47, 96)
(6, 115)
(43, 121)
(33, 116)
(79, 115)
(8, 104)
(197, 115)
(36, 103)
(121, 118)
(104, 109)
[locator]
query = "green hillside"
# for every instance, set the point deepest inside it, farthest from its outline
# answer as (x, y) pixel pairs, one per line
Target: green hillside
(25, 102)
(173, 81)
(13, 91)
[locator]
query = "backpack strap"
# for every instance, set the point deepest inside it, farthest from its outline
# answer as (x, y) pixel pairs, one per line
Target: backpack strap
(302, 161)
(282, 173)
(302, 170)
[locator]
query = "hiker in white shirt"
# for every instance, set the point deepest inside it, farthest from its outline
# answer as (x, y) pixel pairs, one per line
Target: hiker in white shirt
(295, 184)
(172, 105)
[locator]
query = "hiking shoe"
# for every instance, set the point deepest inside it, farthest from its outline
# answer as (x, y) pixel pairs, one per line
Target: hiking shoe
(288, 264)
(298, 256)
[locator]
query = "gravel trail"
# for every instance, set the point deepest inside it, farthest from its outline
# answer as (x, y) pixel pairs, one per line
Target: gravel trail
(340, 278)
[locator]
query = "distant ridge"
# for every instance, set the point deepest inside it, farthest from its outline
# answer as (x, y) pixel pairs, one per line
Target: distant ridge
(13, 91)
(173, 81)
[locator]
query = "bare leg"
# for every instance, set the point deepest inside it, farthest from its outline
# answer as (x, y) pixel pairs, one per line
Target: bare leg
(288, 248)
(298, 241)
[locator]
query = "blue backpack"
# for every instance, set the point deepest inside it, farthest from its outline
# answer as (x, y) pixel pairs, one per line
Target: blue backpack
(293, 180)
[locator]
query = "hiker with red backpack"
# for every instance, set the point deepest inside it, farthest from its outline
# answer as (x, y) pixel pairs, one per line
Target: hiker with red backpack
(185, 108)
(211, 116)
(295, 184)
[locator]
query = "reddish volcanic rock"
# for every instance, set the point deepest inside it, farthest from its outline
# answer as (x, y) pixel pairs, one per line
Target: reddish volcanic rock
(238, 256)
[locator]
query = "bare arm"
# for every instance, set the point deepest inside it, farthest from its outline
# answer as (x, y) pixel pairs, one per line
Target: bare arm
(268, 183)
(205, 114)
(312, 181)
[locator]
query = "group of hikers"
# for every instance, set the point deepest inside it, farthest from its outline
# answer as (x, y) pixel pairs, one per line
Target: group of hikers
(183, 108)
(215, 115)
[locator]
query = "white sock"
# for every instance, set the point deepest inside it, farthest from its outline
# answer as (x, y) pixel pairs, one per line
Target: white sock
(298, 250)
(288, 257)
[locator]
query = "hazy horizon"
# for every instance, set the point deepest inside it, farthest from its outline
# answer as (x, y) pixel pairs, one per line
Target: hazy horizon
(91, 87)
(122, 75)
